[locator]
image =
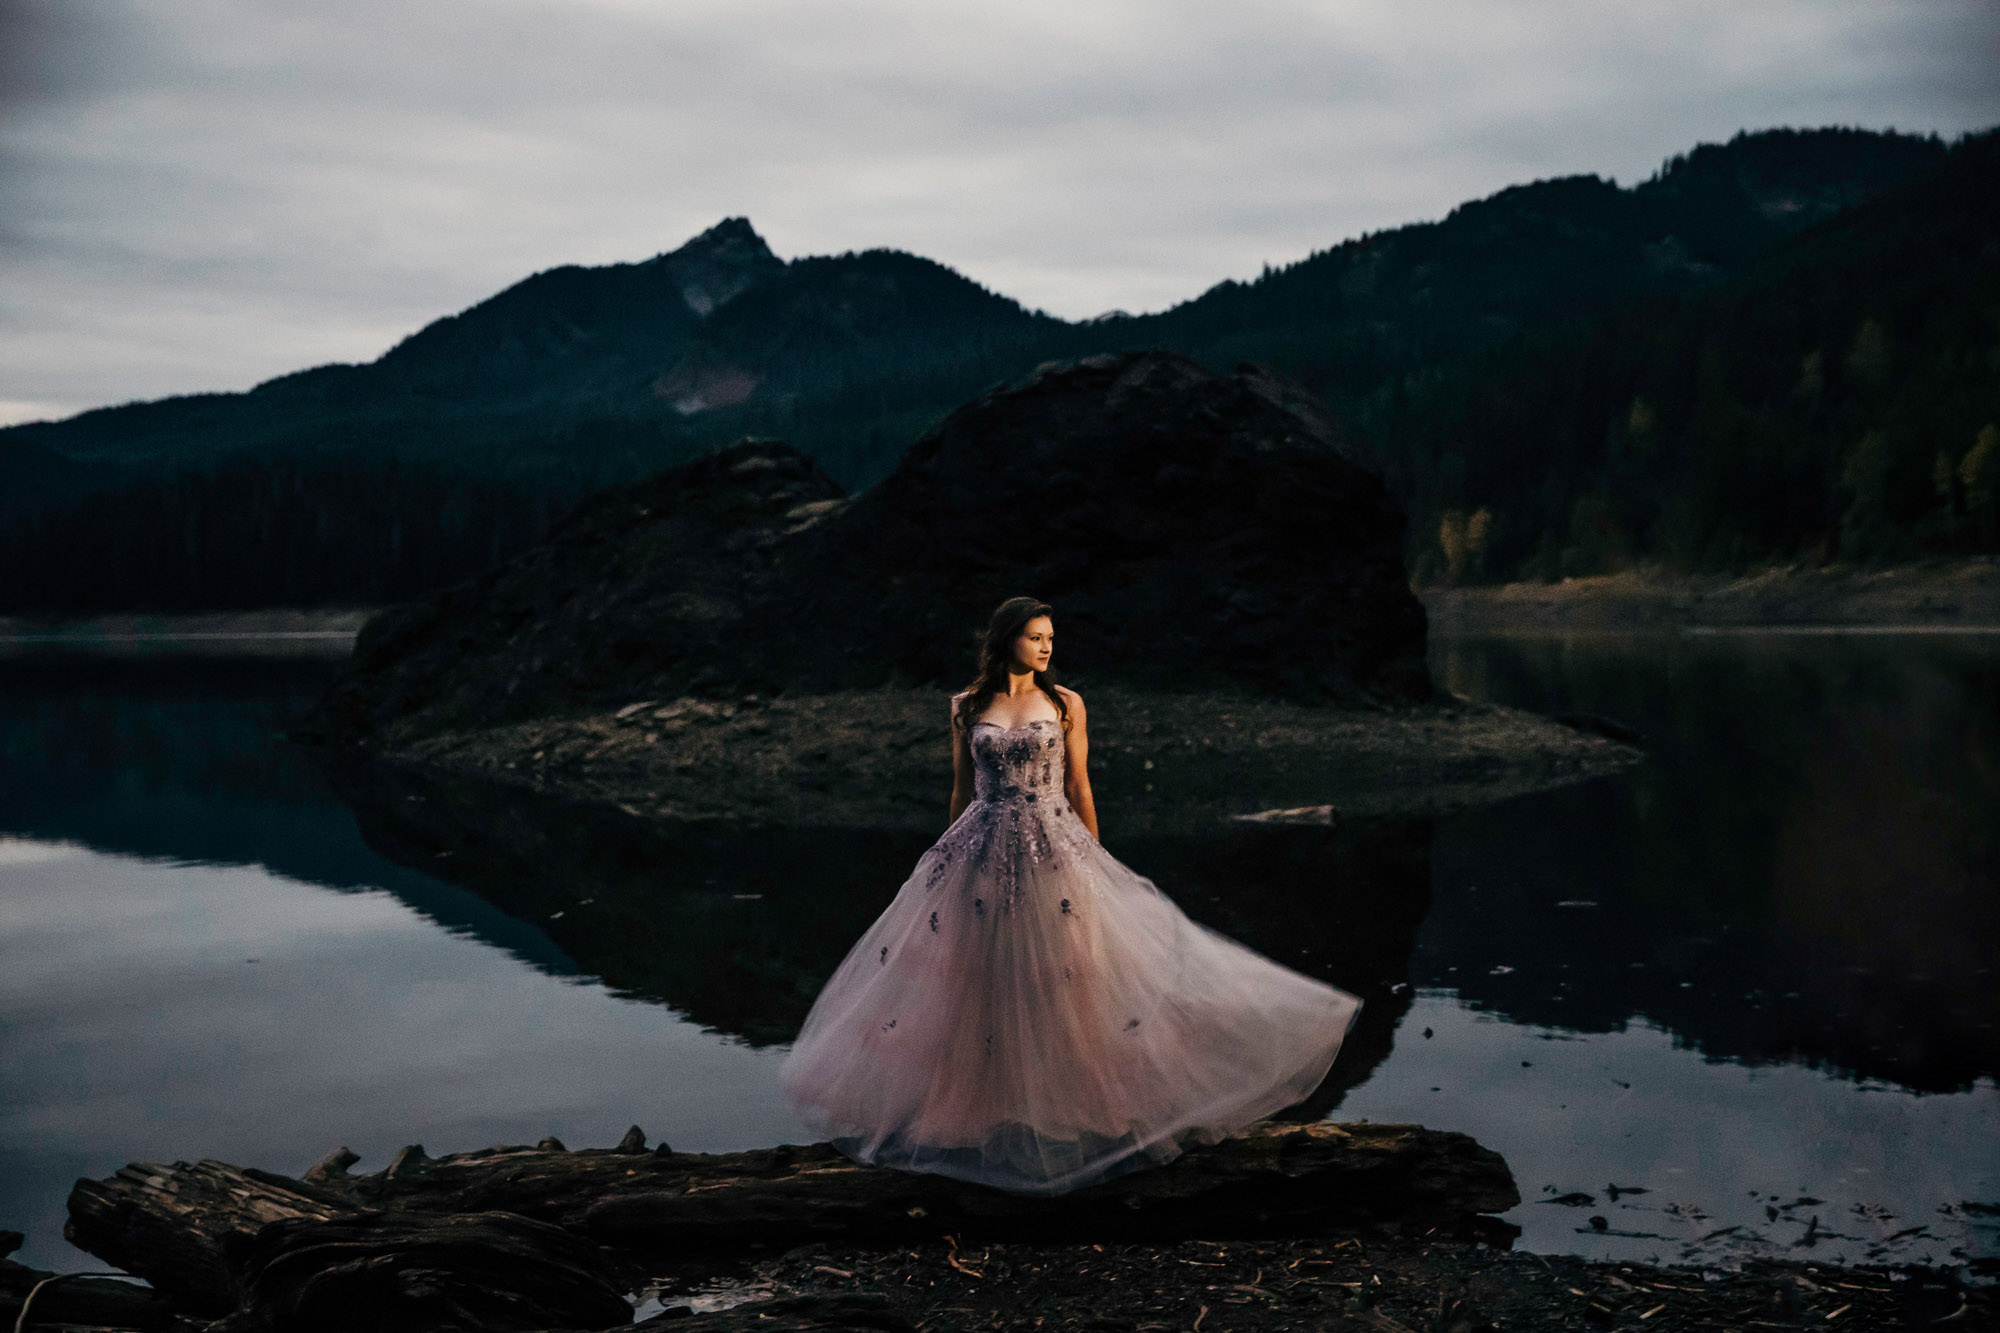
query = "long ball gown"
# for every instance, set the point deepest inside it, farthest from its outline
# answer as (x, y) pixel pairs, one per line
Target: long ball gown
(1029, 1013)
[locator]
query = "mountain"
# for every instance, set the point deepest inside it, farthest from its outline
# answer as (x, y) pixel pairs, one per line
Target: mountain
(706, 326)
(579, 336)
(581, 377)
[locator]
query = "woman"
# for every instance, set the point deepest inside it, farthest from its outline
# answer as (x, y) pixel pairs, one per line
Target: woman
(1029, 1013)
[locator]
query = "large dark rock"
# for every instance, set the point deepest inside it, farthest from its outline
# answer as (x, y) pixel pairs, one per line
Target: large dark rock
(1193, 530)
(1190, 528)
(636, 589)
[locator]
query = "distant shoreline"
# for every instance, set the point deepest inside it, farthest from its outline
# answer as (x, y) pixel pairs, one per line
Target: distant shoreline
(1956, 597)
(1960, 596)
(314, 626)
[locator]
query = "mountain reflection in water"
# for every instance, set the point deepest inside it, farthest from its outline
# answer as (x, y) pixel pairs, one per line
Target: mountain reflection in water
(738, 928)
(1805, 871)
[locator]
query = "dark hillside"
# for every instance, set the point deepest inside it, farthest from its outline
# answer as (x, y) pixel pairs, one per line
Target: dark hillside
(1342, 319)
(575, 335)
(844, 320)
(1837, 398)
(26, 467)
(562, 346)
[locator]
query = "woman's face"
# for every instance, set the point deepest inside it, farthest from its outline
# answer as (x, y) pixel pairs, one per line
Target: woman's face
(1036, 642)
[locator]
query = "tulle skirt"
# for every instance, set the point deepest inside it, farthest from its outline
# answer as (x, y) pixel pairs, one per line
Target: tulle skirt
(1031, 1014)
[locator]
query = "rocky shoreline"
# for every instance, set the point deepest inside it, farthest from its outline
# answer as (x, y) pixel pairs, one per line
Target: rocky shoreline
(1380, 1280)
(881, 759)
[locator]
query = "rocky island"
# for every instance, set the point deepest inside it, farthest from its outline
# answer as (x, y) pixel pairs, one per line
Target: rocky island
(737, 638)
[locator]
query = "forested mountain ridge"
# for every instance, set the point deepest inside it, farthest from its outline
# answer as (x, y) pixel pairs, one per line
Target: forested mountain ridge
(1837, 397)
(465, 439)
(1344, 318)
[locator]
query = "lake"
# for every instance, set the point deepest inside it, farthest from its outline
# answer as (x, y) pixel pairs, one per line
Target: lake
(1749, 983)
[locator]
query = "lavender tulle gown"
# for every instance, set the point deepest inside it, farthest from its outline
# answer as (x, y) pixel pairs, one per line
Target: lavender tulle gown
(1031, 1014)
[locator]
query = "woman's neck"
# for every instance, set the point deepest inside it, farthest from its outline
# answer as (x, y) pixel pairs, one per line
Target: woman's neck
(1020, 683)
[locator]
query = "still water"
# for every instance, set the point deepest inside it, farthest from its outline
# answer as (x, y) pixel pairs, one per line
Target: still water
(1751, 982)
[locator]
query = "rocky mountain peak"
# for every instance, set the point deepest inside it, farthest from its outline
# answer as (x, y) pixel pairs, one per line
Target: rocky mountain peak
(720, 264)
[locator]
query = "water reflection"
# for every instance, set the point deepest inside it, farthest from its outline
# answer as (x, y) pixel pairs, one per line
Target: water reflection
(179, 756)
(204, 958)
(1715, 1161)
(739, 928)
(1805, 871)
(164, 1011)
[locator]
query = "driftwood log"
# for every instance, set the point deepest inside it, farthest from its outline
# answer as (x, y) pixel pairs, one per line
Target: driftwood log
(73, 1301)
(1298, 1179)
(394, 1273)
(168, 1224)
(173, 1224)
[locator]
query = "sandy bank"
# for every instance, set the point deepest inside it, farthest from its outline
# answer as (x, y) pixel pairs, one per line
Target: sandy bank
(335, 626)
(1942, 596)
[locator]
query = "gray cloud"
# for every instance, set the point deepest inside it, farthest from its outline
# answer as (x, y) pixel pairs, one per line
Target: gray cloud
(203, 193)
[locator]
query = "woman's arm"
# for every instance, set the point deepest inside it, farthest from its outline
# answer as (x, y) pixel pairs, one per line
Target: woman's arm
(1076, 771)
(961, 766)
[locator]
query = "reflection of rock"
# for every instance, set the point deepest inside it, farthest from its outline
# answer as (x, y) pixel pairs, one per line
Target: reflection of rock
(1340, 904)
(1728, 979)
(1193, 530)
(739, 927)
(1802, 873)
(735, 928)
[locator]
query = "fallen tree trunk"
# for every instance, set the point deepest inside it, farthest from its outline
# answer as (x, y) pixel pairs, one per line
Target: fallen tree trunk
(73, 1299)
(169, 1224)
(397, 1273)
(1300, 1179)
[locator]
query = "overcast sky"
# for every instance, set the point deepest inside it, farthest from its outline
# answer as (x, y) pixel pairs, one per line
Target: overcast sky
(200, 194)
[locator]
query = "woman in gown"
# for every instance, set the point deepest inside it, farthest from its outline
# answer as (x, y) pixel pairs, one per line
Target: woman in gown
(1029, 1013)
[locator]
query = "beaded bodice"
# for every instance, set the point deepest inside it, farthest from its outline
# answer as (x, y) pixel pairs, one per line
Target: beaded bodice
(1023, 763)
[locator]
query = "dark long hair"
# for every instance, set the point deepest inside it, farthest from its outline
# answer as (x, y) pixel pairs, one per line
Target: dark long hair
(996, 652)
